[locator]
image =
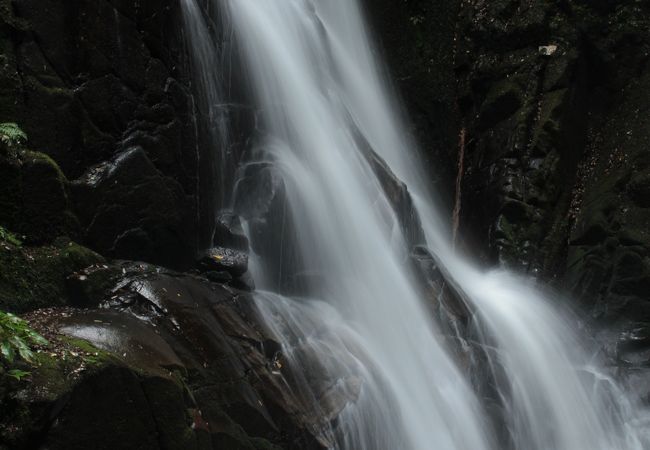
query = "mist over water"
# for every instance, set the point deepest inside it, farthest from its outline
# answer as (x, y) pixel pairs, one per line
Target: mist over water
(516, 376)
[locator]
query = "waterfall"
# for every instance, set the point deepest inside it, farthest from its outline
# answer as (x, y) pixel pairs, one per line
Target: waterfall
(339, 213)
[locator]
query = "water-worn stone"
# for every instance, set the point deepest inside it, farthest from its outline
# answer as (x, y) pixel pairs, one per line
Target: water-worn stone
(260, 199)
(184, 363)
(220, 259)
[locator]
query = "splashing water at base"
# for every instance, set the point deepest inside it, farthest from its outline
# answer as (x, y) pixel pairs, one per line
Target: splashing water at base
(328, 120)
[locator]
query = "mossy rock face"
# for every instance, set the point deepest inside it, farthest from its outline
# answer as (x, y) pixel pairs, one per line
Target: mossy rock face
(35, 277)
(89, 81)
(53, 373)
(110, 406)
(536, 84)
(34, 198)
(135, 413)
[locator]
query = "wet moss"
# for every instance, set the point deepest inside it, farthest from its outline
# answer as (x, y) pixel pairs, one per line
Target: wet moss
(93, 356)
(34, 197)
(9, 237)
(34, 277)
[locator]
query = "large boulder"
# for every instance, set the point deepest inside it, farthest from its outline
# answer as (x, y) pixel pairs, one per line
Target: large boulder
(165, 361)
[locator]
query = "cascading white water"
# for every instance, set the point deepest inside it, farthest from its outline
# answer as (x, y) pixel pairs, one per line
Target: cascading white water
(363, 320)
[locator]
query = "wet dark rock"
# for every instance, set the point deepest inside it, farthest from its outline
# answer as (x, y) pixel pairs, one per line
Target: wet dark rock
(87, 287)
(633, 346)
(608, 268)
(541, 96)
(88, 84)
(229, 232)
(245, 282)
(179, 363)
(443, 297)
(337, 397)
(551, 103)
(218, 276)
(35, 277)
(258, 188)
(133, 210)
(398, 196)
(134, 418)
(534, 117)
(260, 199)
(220, 259)
(395, 192)
(639, 188)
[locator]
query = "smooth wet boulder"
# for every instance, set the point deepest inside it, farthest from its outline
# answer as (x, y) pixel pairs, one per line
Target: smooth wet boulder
(168, 361)
(220, 259)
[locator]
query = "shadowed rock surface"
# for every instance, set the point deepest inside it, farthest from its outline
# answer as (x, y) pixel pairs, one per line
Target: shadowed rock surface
(164, 360)
(105, 84)
(539, 111)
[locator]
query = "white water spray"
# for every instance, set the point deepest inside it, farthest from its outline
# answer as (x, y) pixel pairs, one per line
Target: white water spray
(363, 320)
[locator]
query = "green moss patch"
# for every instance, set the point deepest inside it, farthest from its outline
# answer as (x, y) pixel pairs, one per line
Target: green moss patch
(34, 197)
(34, 277)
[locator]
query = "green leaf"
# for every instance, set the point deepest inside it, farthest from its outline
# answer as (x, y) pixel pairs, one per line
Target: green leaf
(37, 339)
(26, 354)
(14, 320)
(9, 237)
(11, 133)
(7, 351)
(16, 337)
(18, 374)
(23, 349)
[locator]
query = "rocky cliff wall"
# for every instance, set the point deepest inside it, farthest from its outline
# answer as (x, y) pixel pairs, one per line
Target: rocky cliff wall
(102, 88)
(544, 126)
(546, 136)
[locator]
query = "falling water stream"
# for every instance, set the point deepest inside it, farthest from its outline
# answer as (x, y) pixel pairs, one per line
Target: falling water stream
(328, 127)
